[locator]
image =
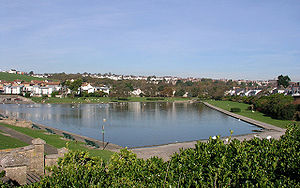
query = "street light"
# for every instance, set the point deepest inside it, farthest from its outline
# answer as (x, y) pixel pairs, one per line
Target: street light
(104, 120)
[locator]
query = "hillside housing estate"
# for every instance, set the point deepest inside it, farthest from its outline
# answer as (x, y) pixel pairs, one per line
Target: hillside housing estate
(42, 88)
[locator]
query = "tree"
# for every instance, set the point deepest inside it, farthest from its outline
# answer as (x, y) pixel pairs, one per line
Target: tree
(73, 86)
(179, 93)
(31, 73)
(283, 81)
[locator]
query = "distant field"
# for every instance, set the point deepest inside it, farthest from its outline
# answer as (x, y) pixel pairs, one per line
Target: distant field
(107, 99)
(11, 77)
(227, 105)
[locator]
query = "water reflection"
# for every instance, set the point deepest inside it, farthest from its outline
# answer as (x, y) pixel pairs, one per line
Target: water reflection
(133, 124)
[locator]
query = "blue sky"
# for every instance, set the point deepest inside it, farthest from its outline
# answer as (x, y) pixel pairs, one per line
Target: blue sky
(251, 39)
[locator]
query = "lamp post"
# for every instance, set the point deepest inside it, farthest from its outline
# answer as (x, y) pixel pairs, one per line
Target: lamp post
(104, 120)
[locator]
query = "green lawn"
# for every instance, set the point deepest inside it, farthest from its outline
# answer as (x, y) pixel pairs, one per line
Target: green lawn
(227, 105)
(7, 142)
(11, 77)
(56, 141)
(106, 99)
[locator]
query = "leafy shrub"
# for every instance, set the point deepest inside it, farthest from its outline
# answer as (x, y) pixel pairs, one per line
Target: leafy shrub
(54, 93)
(235, 110)
(27, 95)
(277, 106)
(253, 163)
(155, 99)
(123, 98)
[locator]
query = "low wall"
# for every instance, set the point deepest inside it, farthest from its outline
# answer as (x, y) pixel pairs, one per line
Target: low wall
(18, 162)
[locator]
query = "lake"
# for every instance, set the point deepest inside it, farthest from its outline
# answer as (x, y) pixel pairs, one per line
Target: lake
(133, 124)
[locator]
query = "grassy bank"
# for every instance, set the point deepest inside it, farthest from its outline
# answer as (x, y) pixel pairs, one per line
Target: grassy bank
(227, 105)
(106, 99)
(58, 142)
(11, 77)
(7, 142)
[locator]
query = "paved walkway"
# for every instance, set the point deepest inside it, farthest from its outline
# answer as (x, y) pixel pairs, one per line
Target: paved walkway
(27, 139)
(165, 151)
(246, 119)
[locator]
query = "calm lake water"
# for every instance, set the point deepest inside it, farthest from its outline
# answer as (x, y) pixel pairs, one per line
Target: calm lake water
(133, 124)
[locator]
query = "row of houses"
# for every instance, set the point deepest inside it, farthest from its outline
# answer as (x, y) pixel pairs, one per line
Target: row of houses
(35, 87)
(293, 89)
(40, 88)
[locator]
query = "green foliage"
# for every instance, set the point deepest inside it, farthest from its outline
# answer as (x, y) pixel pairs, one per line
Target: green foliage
(74, 86)
(123, 98)
(11, 77)
(283, 81)
(253, 163)
(155, 99)
(54, 93)
(277, 106)
(235, 110)
(180, 93)
(27, 95)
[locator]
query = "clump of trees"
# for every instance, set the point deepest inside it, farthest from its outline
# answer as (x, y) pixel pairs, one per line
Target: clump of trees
(277, 106)
(283, 81)
(205, 88)
(253, 163)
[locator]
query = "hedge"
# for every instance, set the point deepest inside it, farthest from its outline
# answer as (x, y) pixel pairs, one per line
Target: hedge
(235, 110)
(253, 163)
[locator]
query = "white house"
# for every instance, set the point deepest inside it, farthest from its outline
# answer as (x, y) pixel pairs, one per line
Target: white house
(103, 89)
(88, 88)
(252, 92)
(136, 92)
(15, 90)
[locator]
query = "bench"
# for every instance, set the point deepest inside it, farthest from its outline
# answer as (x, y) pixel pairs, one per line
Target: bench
(34, 126)
(91, 143)
(50, 131)
(68, 136)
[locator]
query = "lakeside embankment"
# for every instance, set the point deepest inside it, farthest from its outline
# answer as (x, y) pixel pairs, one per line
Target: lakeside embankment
(15, 99)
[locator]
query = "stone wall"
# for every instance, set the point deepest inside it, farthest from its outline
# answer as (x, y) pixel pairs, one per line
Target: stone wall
(18, 162)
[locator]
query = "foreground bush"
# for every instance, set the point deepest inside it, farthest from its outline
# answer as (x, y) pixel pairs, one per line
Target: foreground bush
(254, 163)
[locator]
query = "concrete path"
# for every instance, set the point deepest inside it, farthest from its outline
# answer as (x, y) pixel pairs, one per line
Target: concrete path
(27, 139)
(166, 151)
(246, 119)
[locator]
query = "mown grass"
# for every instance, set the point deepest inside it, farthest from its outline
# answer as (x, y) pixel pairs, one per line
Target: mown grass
(57, 141)
(11, 77)
(227, 105)
(105, 99)
(7, 142)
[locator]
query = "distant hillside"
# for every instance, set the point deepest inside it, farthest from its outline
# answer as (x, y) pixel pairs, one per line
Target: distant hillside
(11, 77)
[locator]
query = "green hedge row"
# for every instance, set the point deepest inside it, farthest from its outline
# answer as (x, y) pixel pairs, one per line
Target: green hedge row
(253, 163)
(277, 106)
(235, 110)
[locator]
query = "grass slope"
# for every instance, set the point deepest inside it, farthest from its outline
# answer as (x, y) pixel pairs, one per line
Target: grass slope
(11, 77)
(227, 105)
(7, 142)
(58, 142)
